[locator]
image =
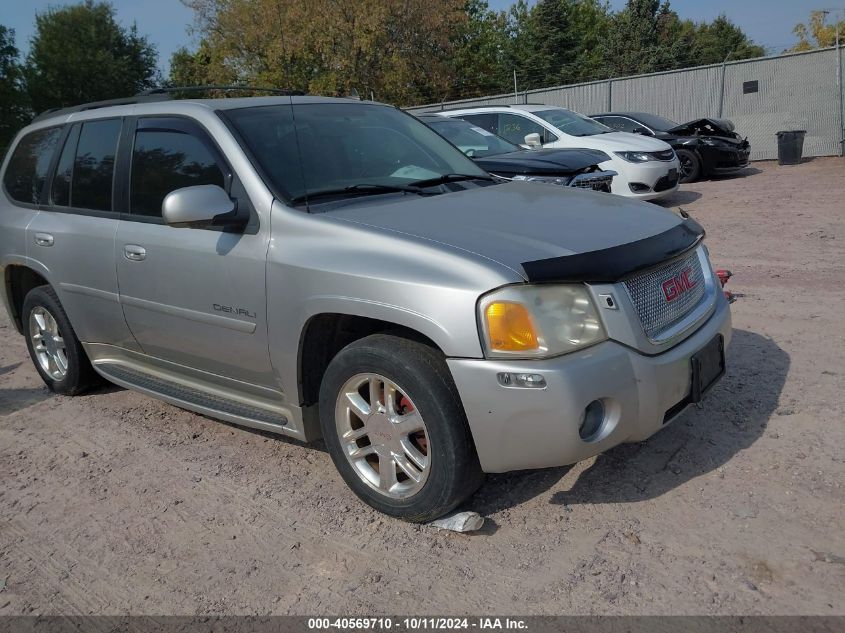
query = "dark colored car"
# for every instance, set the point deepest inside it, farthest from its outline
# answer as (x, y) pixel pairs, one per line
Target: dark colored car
(705, 147)
(498, 156)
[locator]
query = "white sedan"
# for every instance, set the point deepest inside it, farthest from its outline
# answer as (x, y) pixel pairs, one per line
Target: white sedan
(647, 168)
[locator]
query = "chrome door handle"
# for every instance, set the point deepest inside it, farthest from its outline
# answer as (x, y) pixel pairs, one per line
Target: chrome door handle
(43, 239)
(134, 253)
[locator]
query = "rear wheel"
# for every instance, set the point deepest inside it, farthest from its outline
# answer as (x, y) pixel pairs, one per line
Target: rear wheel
(690, 165)
(56, 352)
(396, 430)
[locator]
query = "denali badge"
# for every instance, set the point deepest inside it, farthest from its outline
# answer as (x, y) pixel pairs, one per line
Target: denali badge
(231, 310)
(674, 287)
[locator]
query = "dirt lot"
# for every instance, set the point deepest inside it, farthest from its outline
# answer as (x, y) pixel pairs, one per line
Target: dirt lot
(113, 503)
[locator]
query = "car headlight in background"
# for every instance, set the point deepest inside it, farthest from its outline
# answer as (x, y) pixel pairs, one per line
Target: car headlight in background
(635, 157)
(552, 180)
(539, 321)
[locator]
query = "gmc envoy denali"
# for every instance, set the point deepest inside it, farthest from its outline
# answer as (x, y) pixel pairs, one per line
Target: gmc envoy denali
(333, 268)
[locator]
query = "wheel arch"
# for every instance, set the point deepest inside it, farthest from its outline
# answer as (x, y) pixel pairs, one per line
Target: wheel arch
(19, 279)
(323, 335)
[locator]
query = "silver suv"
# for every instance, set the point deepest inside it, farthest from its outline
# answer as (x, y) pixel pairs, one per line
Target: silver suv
(333, 268)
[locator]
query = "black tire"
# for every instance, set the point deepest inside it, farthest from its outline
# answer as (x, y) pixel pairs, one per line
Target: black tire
(80, 376)
(421, 371)
(690, 165)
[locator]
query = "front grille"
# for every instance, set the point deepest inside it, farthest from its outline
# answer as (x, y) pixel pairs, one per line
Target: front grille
(668, 154)
(598, 181)
(662, 297)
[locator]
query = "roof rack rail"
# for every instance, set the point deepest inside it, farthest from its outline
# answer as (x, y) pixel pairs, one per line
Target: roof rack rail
(142, 98)
(153, 95)
(172, 89)
(475, 107)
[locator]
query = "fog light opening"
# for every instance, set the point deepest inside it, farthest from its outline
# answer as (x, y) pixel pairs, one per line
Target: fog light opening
(592, 421)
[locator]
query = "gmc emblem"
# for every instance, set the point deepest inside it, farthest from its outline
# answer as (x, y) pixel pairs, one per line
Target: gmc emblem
(674, 287)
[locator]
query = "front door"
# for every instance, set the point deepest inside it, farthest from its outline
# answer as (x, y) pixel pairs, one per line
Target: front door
(195, 297)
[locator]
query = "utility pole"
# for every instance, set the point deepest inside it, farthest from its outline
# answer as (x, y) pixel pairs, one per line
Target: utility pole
(841, 13)
(722, 89)
(515, 91)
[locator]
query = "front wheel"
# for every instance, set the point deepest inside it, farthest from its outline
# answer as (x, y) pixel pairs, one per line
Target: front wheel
(690, 165)
(396, 429)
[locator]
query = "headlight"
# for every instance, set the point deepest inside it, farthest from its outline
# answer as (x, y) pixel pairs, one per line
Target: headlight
(539, 321)
(635, 157)
(552, 180)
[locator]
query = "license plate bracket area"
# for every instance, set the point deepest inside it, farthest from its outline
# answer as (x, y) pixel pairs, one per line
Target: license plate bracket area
(708, 365)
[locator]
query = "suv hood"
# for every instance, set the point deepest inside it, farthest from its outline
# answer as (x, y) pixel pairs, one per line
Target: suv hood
(535, 229)
(542, 161)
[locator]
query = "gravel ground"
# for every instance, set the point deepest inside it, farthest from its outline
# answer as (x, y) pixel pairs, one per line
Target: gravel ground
(113, 502)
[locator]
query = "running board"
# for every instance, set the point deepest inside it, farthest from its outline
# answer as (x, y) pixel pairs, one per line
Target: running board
(199, 401)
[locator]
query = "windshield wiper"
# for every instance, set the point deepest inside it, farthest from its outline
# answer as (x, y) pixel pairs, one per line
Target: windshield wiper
(362, 189)
(439, 180)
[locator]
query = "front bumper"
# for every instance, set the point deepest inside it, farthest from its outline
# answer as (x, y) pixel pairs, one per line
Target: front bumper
(518, 428)
(644, 181)
(727, 160)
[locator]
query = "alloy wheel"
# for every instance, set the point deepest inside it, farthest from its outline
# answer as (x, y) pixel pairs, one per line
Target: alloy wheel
(383, 435)
(48, 343)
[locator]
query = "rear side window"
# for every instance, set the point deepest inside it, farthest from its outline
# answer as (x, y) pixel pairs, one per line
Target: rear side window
(621, 124)
(93, 167)
(29, 164)
(515, 128)
(487, 120)
(165, 160)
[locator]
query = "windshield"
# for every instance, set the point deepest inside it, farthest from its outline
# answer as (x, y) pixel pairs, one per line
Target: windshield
(572, 123)
(354, 147)
(655, 122)
(472, 140)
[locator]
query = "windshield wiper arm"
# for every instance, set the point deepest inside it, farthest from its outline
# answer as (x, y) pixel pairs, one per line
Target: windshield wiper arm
(439, 180)
(360, 189)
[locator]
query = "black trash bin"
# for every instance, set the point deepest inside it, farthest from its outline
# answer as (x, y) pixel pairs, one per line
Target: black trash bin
(790, 147)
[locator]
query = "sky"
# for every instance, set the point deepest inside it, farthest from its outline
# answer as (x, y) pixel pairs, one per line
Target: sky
(166, 22)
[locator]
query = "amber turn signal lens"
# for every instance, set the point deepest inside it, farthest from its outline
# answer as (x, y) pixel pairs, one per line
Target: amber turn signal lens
(510, 327)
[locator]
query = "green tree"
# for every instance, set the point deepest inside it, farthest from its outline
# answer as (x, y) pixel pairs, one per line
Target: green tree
(721, 39)
(816, 33)
(14, 109)
(478, 63)
(640, 39)
(192, 68)
(80, 53)
(551, 44)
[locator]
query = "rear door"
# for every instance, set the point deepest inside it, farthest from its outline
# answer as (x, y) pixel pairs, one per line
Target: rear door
(24, 179)
(195, 297)
(73, 236)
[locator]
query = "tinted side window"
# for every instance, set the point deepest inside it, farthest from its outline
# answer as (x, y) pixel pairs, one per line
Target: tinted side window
(486, 121)
(93, 169)
(163, 161)
(622, 124)
(60, 191)
(515, 128)
(28, 166)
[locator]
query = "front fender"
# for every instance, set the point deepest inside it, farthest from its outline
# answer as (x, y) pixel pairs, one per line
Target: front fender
(319, 265)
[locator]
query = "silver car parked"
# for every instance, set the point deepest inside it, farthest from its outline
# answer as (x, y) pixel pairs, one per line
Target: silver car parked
(332, 268)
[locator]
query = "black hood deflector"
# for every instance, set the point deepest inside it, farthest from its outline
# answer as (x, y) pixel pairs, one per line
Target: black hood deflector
(612, 264)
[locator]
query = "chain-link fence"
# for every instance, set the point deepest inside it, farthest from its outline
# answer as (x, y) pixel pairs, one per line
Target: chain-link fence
(798, 91)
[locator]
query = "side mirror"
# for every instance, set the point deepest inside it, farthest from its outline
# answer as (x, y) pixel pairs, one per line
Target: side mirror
(643, 130)
(533, 140)
(198, 207)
